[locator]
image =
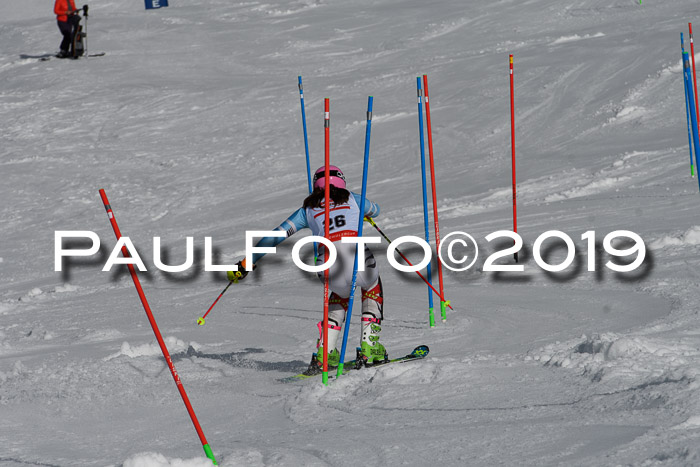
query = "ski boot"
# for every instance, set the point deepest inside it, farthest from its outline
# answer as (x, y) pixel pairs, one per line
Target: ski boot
(316, 364)
(371, 351)
(333, 357)
(315, 367)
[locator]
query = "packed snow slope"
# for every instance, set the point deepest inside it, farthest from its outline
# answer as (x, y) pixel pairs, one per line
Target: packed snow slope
(191, 123)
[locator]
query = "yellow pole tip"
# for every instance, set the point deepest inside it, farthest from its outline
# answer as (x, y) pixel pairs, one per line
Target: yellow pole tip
(200, 321)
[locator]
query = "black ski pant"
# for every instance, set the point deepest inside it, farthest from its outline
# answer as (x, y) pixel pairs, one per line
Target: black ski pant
(68, 29)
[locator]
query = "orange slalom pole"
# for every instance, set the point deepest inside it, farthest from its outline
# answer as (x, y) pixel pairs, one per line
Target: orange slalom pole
(326, 233)
(156, 331)
(512, 144)
(432, 179)
(695, 81)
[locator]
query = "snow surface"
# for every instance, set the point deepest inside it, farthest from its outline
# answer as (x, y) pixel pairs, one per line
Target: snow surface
(191, 123)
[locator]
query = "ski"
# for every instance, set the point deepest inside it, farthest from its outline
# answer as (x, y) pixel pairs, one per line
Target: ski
(51, 57)
(36, 57)
(418, 353)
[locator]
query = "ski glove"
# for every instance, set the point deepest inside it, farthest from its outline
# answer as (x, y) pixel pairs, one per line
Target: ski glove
(235, 276)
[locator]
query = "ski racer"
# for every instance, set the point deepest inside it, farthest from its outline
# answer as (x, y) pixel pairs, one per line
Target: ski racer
(344, 218)
(67, 18)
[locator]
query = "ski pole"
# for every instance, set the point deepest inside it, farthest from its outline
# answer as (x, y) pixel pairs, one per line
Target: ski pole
(426, 216)
(374, 224)
(200, 320)
(156, 331)
(85, 14)
(359, 234)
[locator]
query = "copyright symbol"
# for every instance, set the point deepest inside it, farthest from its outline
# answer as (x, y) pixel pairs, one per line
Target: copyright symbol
(467, 242)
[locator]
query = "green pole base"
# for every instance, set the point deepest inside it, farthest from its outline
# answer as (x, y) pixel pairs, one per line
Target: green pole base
(340, 370)
(209, 453)
(443, 311)
(431, 317)
(324, 378)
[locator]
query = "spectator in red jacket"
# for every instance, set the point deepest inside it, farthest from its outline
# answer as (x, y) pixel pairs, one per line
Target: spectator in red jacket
(67, 23)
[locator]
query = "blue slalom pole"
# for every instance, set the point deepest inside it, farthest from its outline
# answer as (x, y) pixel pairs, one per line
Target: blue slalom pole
(306, 137)
(691, 102)
(687, 117)
(426, 216)
(359, 234)
(306, 148)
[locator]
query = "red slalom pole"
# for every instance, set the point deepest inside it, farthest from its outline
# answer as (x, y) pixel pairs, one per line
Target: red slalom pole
(159, 338)
(695, 81)
(326, 233)
(512, 144)
(432, 180)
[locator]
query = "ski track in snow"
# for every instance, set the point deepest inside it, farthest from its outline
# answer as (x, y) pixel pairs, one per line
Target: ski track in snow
(191, 123)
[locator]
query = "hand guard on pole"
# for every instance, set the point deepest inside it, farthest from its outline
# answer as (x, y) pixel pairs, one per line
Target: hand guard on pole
(235, 276)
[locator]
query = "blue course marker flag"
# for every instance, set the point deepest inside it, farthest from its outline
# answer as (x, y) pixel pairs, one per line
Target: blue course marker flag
(152, 4)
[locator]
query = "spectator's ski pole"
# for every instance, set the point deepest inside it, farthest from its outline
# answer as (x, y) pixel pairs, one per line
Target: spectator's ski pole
(85, 14)
(358, 253)
(374, 224)
(156, 331)
(426, 216)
